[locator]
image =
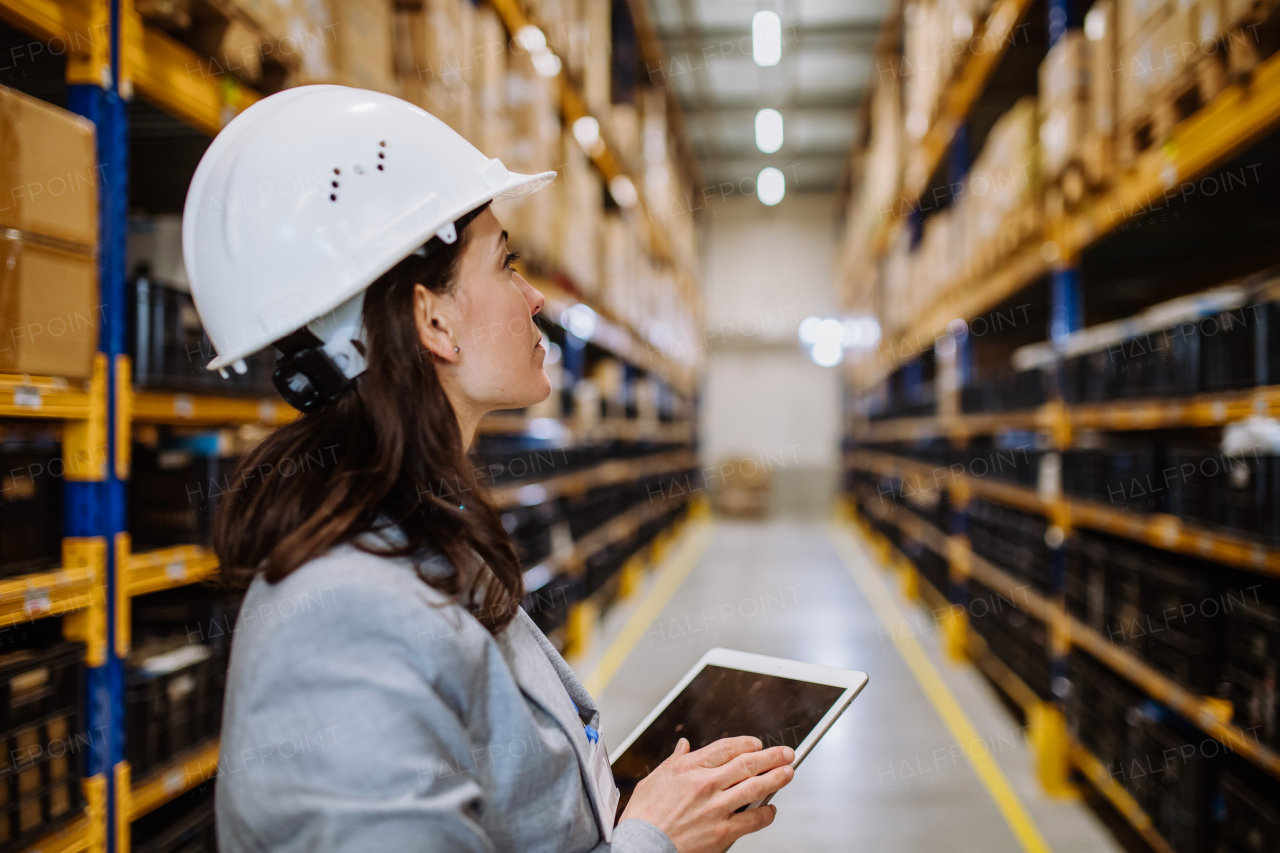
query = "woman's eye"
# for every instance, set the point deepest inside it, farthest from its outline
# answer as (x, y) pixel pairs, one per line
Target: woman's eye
(512, 257)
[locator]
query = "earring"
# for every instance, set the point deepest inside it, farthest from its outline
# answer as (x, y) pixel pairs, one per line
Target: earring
(455, 349)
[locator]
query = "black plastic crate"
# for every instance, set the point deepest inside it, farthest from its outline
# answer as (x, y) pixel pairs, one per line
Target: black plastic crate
(41, 697)
(1178, 780)
(172, 704)
(1228, 348)
(1247, 494)
(32, 473)
(1251, 813)
(173, 493)
(1252, 653)
(183, 825)
(170, 349)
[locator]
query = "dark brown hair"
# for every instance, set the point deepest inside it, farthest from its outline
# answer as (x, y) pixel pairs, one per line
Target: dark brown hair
(390, 453)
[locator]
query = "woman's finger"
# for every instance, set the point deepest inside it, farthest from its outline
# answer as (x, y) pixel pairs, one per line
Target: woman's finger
(751, 764)
(758, 787)
(725, 750)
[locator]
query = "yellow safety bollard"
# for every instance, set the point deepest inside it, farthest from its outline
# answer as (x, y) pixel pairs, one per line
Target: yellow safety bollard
(631, 578)
(1049, 744)
(579, 628)
(955, 633)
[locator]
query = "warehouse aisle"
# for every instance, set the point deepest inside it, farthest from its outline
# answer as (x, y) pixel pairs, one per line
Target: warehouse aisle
(885, 777)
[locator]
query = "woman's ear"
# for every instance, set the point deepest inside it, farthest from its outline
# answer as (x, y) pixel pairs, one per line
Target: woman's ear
(434, 332)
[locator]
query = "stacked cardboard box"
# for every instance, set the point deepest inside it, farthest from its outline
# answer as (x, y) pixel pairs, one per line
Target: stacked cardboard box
(1064, 118)
(48, 246)
(996, 210)
(1165, 49)
(1099, 141)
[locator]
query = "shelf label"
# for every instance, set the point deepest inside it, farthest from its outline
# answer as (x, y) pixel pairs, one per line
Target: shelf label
(36, 601)
(184, 406)
(27, 397)
(174, 781)
(176, 571)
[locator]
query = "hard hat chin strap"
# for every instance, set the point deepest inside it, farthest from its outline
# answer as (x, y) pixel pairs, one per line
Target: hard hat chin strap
(320, 359)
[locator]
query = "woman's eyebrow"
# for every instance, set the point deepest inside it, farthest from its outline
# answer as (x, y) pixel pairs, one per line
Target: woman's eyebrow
(502, 238)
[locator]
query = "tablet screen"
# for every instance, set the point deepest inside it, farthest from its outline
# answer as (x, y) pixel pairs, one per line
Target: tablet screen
(721, 702)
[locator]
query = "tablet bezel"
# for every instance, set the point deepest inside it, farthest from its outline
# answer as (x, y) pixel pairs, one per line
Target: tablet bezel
(851, 680)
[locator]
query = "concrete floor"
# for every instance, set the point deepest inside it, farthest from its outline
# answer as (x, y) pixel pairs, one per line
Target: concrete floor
(883, 778)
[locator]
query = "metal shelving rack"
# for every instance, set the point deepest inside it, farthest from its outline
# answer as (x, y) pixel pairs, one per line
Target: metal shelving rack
(112, 55)
(1074, 755)
(1235, 118)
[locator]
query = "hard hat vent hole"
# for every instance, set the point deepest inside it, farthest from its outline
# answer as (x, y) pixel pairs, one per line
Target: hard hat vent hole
(381, 156)
(333, 196)
(383, 143)
(335, 185)
(337, 171)
(380, 167)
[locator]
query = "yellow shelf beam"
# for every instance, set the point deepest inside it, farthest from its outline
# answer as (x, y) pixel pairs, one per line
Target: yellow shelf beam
(1158, 530)
(609, 428)
(606, 473)
(79, 29)
(1238, 116)
(162, 407)
(75, 837)
(44, 397)
(1123, 802)
(175, 78)
(56, 592)
(195, 767)
(166, 568)
(1201, 410)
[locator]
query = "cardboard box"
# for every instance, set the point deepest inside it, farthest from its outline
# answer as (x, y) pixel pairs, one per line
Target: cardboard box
(1064, 73)
(1136, 17)
(1062, 133)
(362, 47)
(1153, 63)
(49, 309)
(1105, 70)
(48, 170)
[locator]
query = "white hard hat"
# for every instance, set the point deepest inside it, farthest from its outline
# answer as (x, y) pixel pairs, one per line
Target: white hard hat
(307, 197)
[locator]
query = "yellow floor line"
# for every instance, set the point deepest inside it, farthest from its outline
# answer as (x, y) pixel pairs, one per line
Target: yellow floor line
(671, 576)
(940, 696)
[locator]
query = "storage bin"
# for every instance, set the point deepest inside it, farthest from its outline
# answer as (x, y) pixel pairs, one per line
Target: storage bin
(170, 349)
(173, 494)
(1251, 813)
(32, 475)
(173, 702)
(42, 739)
(183, 825)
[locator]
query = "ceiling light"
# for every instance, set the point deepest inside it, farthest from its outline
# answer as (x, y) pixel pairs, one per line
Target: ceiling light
(766, 38)
(771, 186)
(546, 63)
(827, 353)
(623, 191)
(587, 131)
(768, 130)
(532, 39)
(809, 330)
(581, 321)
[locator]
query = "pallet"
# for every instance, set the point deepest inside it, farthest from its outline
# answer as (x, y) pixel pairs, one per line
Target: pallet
(1177, 99)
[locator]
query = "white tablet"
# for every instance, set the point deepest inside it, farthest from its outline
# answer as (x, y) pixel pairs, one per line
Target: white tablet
(730, 694)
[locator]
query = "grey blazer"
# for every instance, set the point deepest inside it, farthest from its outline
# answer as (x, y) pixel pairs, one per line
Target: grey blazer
(364, 712)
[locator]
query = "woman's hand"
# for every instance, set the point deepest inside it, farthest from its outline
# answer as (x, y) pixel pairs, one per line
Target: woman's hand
(693, 796)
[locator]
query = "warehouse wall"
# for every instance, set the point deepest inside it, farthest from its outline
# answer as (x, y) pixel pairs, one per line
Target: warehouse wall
(763, 398)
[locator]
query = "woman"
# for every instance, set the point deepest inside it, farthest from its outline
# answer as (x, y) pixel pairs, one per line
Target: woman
(386, 691)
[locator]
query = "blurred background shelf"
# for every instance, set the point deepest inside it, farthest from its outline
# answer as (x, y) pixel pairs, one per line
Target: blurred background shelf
(159, 407)
(179, 776)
